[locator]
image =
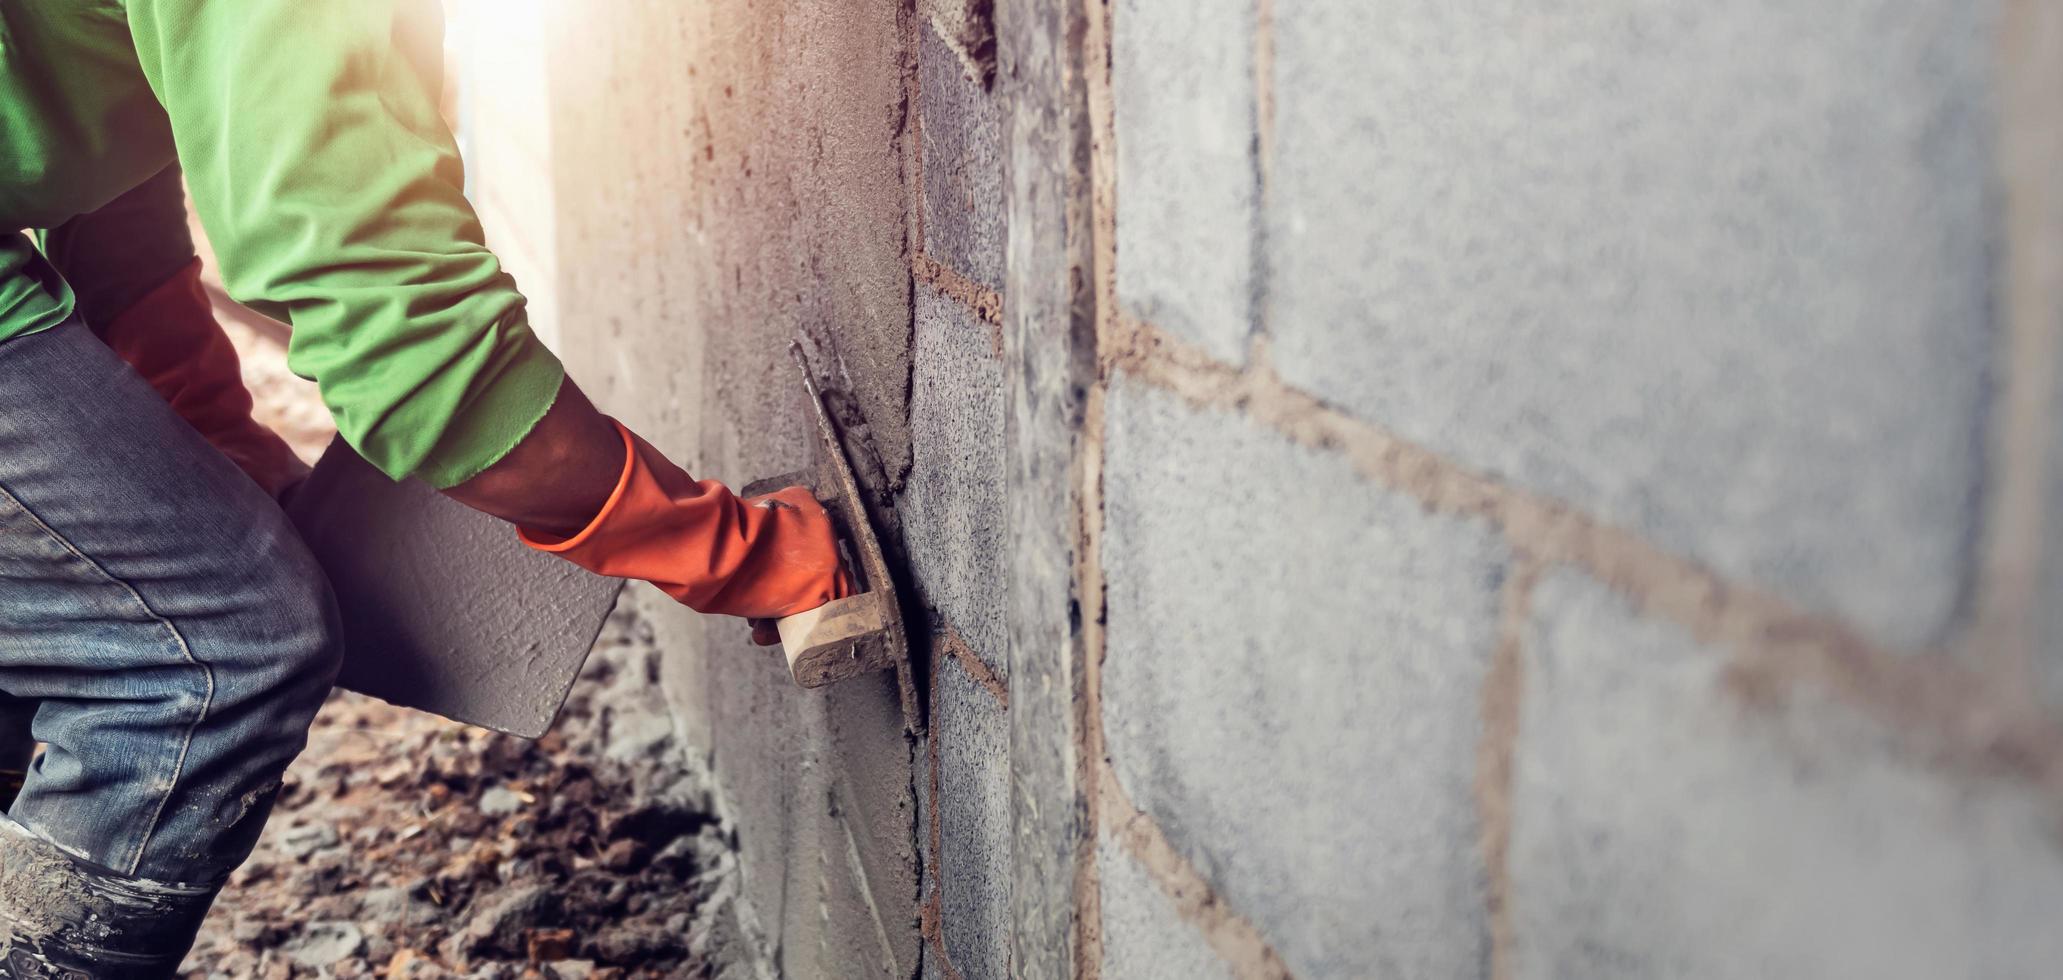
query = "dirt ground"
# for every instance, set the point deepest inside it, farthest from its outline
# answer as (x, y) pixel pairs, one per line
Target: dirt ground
(408, 846)
(404, 845)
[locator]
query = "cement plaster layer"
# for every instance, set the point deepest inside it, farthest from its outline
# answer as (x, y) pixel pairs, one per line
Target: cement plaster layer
(1720, 273)
(729, 175)
(633, 259)
(1292, 686)
(2049, 598)
(1663, 827)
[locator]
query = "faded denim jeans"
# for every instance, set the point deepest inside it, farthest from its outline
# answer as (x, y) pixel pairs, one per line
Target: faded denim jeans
(157, 609)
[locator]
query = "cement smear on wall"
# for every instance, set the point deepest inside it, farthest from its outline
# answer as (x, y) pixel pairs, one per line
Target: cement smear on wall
(729, 175)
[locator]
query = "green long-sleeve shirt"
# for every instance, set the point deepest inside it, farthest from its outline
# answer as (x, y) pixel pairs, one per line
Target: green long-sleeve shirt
(328, 186)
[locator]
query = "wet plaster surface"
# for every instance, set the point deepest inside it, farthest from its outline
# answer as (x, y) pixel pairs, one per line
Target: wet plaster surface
(732, 174)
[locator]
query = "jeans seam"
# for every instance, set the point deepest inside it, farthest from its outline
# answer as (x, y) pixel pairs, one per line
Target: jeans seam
(185, 651)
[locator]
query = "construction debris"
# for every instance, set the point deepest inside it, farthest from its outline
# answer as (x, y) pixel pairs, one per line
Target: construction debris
(407, 846)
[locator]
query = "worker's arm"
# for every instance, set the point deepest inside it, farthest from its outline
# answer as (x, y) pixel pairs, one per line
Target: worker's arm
(628, 511)
(133, 268)
(113, 256)
(331, 191)
(572, 440)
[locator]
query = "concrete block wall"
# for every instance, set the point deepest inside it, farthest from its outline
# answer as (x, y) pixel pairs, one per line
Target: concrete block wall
(1638, 263)
(1312, 758)
(1662, 827)
(952, 507)
(1562, 492)
(1567, 483)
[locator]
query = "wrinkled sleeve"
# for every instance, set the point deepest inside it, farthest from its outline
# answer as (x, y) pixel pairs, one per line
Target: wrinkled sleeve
(114, 256)
(331, 191)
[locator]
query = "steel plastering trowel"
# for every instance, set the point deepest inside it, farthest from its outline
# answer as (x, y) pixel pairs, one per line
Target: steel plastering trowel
(444, 610)
(862, 633)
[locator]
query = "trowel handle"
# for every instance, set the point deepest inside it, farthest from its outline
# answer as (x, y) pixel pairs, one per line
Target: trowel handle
(840, 639)
(844, 637)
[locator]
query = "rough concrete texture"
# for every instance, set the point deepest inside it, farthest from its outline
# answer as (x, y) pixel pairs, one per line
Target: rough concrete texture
(736, 177)
(968, 28)
(1662, 827)
(952, 506)
(1720, 273)
(974, 820)
(2049, 614)
(1143, 936)
(633, 260)
(963, 163)
(1313, 758)
(729, 175)
(1183, 80)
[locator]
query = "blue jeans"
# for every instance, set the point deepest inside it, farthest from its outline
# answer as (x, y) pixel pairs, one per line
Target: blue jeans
(159, 610)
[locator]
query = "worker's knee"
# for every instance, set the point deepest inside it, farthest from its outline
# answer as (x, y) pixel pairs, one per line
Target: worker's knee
(283, 651)
(309, 615)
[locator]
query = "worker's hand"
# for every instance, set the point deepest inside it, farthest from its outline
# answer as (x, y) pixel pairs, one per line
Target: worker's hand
(765, 632)
(760, 557)
(171, 338)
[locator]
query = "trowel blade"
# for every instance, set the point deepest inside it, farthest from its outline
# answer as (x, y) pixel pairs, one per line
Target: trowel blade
(863, 633)
(444, 609)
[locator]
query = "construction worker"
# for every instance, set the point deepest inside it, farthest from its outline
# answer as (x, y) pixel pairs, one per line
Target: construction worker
(171, 629)
(135, 278)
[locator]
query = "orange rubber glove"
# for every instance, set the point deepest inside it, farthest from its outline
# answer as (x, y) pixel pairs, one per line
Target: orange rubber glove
(757, 557)
(171, 338)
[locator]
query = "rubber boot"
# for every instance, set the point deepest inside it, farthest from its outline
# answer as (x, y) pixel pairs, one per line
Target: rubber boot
(63, 918)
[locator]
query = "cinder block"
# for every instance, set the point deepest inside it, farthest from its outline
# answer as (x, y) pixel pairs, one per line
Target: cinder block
(1292, 683)
(974, 824)
(952, 506)
(1720, 273)
(1182, 77)
(964, 204)
(1143, 937)
(1662, 827)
